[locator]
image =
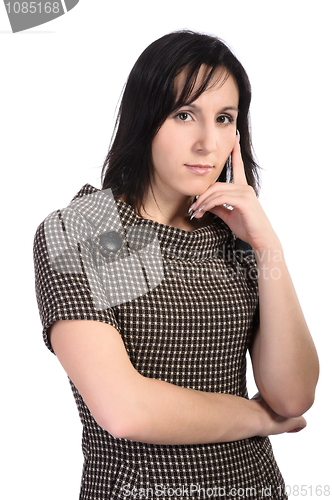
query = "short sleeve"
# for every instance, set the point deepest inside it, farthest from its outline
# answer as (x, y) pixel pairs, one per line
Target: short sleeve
(63, 295)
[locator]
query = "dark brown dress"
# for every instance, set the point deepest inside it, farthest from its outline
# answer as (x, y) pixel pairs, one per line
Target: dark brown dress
(192, 329)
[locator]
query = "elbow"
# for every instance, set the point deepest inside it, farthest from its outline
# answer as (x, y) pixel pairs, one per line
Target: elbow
(294, 407)
(125, 429)
(292, 401)
(124, 425)
(124, 415)
(299, 402)
(119, 430)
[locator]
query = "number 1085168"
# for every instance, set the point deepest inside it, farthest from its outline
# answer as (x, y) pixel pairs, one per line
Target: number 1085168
(305, 490)
(33, 7)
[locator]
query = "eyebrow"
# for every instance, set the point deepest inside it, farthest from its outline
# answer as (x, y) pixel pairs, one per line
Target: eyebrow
(226, 108)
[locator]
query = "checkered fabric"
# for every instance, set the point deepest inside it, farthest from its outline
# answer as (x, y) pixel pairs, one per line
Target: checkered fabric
(193, 330)
(88, 237)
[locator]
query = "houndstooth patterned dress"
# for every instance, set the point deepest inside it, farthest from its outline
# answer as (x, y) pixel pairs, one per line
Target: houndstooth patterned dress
(191, 328)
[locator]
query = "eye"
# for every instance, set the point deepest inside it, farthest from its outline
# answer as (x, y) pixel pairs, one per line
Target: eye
(225, 119)
(184, 117)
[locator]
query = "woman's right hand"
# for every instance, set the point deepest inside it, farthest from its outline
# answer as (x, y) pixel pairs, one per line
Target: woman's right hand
(276, 424)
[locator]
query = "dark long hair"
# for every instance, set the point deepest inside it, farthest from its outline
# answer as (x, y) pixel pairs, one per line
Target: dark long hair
(148, 99)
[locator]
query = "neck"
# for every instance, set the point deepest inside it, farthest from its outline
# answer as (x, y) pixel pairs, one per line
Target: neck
(166, 211)
(172, 211)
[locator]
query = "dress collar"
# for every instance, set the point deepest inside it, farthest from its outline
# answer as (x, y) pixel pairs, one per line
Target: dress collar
(175, 243)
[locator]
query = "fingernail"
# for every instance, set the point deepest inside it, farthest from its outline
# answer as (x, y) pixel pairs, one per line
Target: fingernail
(237, 132)
(196, 212)
(190, 209)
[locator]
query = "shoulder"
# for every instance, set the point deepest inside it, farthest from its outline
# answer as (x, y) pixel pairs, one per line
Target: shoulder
(67, 262)
(85, 191)
(78, 220)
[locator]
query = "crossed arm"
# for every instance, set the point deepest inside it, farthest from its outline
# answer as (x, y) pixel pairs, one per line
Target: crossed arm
(134, 407)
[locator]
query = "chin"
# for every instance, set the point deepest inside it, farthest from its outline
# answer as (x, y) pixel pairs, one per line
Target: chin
(200, 188)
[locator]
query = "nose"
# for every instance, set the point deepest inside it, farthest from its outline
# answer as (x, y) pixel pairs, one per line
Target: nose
(206, 141)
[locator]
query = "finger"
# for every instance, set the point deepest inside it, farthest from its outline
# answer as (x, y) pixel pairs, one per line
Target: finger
(218, 200)
(224, 195)
(211, 192)
(299, 424)
(239, 176)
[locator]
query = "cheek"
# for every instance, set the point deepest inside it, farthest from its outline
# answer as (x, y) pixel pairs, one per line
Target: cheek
(156, 150)
(227, 145)
(165, 150)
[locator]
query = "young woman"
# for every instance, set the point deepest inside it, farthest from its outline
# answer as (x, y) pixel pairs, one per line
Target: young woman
(152, 289)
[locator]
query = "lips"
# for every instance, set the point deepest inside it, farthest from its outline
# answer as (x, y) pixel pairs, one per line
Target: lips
(199, 169)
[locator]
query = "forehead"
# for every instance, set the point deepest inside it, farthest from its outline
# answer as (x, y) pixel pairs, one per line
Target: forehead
(221, 81)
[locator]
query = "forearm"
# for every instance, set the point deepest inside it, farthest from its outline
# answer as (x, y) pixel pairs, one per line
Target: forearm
(284, 357)
(163, 413)
(131, 406)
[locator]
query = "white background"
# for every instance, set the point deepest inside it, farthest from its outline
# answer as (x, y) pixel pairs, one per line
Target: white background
(60, 84)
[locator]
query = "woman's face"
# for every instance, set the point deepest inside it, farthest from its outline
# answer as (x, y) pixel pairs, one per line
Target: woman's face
(191, 148)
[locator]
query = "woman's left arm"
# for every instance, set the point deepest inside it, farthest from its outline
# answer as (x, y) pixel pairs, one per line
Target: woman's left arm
(283, 354)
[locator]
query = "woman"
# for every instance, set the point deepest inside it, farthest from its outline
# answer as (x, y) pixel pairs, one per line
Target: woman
(148, 292)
